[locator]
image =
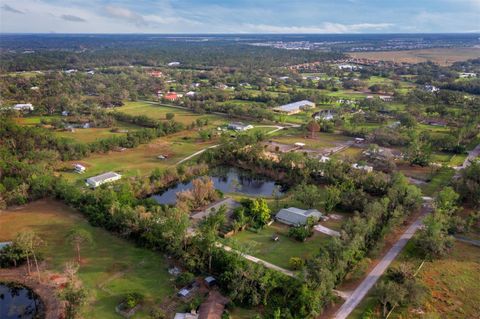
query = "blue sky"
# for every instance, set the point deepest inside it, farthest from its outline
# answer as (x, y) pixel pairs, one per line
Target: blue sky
(239, 16)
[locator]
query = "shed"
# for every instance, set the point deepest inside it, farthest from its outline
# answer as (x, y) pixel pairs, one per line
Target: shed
(210, 281)
(295, 216)
(98, 180)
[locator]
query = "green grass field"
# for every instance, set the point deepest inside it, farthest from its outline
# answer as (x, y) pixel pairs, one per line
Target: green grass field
(88, 135)
(157, 111)
(321, 140)
(142, 159)
(111, 266)
(278, 253)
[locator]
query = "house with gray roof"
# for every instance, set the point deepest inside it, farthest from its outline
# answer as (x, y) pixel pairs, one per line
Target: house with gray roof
(294, 108)
(293, 216)
(101, 179)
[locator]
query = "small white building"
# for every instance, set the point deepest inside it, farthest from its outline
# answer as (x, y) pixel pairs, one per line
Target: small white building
(467, 75)
(190, 94)
(98, 180)
(324, 159)
(70, 71)
(299, 144)
(239, 126)
(431, 88)
(365, 168)
(23, 107)
(79, 169)
(173, 63)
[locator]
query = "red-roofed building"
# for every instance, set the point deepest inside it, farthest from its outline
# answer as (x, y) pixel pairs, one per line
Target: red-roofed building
(171, 96)
(155, 74)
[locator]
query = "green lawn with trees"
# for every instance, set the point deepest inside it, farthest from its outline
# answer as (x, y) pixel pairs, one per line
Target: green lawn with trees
(110, 266)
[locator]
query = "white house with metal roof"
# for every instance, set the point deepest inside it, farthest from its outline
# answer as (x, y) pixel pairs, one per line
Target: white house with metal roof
(295, 107)
(295, 216)
(101, 179)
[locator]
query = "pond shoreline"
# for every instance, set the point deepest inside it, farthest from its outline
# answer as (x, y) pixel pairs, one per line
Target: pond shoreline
(225, 177)
(54, 308)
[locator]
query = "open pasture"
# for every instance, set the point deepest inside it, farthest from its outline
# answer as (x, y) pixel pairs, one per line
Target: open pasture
(442, 56)
(159, 112)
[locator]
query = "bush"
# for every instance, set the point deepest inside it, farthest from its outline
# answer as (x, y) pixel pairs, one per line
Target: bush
(300, 233)
(132, 300)
(184, 278)
(296, 263)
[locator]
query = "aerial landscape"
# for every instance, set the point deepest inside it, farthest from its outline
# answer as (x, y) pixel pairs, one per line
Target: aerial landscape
(239, 159)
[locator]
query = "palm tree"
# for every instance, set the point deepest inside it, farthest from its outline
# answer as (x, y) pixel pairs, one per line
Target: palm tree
(28, 241)
(78, 237)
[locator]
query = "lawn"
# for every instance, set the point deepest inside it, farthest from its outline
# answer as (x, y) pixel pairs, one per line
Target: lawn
(88, 135)
(261, 245)
(321, 140)
(157, 111)
(110, 268)
(143, 159)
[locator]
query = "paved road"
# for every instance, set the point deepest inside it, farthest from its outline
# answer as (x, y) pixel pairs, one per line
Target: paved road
(472, 155)
(468, 240)
(356, 297)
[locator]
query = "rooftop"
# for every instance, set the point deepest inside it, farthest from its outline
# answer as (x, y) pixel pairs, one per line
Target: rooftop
(103, 177)
(295, 106)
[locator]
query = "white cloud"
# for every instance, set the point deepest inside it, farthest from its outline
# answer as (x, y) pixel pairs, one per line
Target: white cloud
(72, 18)
(11, 9)
(326, 27)
(124, 14)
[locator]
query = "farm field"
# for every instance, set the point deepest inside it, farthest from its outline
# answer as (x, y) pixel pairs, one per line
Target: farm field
(157, 111)
(443, 56)
(143, 159)
(278, 252)
(110, 268)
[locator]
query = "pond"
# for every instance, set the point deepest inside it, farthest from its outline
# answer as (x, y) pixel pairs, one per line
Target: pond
(17, 301)
(228, 180)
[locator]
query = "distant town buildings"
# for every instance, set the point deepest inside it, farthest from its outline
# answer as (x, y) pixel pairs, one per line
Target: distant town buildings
(294, 108)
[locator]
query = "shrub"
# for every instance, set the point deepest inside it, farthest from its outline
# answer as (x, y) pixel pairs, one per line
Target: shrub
(296, 263)
(132, 300)
(185, 278)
